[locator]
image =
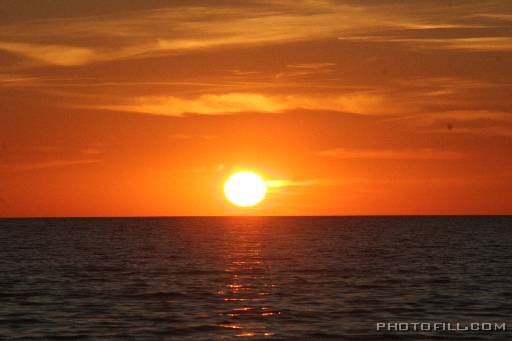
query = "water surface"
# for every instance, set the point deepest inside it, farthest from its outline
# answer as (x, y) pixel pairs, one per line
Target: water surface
(300, 278)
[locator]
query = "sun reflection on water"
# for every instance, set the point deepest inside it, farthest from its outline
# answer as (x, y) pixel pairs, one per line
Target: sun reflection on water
(248, 291)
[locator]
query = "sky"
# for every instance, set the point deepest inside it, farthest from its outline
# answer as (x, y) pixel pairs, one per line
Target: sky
(144, 108)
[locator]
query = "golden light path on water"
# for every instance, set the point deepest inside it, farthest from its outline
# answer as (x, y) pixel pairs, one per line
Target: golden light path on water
(248, 293)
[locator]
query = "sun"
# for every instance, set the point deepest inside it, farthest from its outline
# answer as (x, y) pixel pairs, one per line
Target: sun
(245, 189)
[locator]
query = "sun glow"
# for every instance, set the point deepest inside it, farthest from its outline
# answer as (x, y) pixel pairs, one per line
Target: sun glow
(245, 189)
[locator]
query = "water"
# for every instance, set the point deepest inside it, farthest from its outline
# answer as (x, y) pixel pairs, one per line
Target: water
(257, 278)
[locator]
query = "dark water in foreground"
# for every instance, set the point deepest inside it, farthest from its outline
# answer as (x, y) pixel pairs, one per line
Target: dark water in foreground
(254, 278)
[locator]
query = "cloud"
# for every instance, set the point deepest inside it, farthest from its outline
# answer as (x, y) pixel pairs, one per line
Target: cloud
(392, 154)
(46, 150)
(499, 16)
(16, 80)
(201, 169)
(275, 184)
(477, 122)
(306, 69)
(467, 115)
(176, 29)
(45, 165)
(92, 151)
(279, 183)
(51, 54)
(181, 28)
(478, 44)
(475, 44)
(215, 104)
(360, 102)
(437, 86)
(205, 104)
(311, 66)
(472, 44)
(194, 136)
(482, 131)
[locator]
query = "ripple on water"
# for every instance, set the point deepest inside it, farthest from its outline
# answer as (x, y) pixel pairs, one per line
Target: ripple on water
(256, 278)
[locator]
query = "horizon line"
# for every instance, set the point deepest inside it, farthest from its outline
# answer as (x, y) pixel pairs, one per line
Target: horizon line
(259, 216)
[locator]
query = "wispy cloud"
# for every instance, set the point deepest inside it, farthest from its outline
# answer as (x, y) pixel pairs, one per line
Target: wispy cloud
(182, 28)
(176, 29)
(471, 44)
(211, 104)
(466, 115)
(205, 104)
(499, 16)
(307, 69)
(477, 122)
(201, 169)
(194, 136)
(438, 86)
(16, 80)
(478, 43)
(484, 130)
(15, 167)
(392, 154)
(51, 54)
(280, 183)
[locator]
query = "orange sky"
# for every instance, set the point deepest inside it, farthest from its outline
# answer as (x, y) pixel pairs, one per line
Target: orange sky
(357, 107)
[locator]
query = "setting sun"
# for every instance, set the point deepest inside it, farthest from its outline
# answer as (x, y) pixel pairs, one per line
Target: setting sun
(245, 189)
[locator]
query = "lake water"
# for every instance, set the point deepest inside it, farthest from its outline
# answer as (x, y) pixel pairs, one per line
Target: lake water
(301, 278)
